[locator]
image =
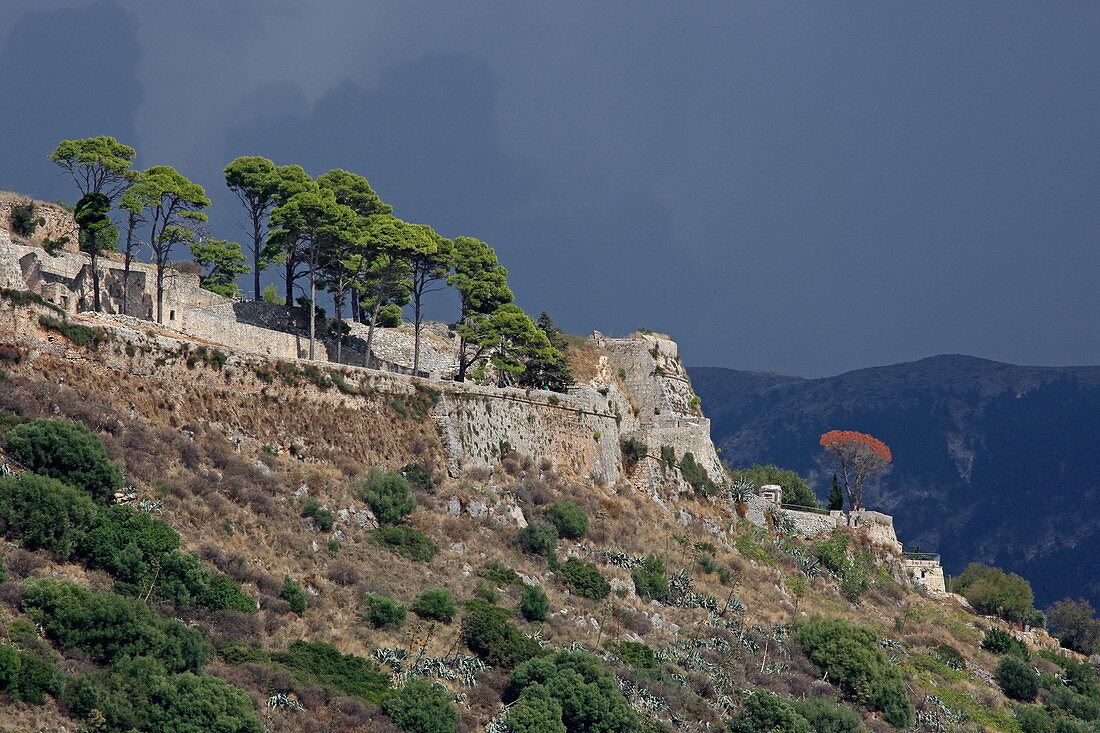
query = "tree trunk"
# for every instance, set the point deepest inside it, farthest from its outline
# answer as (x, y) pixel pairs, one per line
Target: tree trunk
(312, 309)
(462, 363)
(289, 279)
(382, 281)
(338, 307)
(94, 257)
(255, 257)
(160, 290)
(127, 256)
(416, 332)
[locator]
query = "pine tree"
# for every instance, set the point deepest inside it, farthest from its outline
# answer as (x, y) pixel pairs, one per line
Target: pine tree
(836, 496)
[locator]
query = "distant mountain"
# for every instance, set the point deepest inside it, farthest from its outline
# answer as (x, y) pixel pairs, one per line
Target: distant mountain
(993, 462)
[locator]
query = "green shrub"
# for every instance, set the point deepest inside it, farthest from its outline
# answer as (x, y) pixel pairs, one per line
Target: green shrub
(649, 579)
(294, 594)
(950, 656)
(707, 563)
(766, 712)
(186, 581)
(9, 420)
(636, 655)
(43, 513)
(991, 591)
(569, 519)
(407, 542)
(78, 334)
(485, 629)
(1016, 678)
(852, 658)
(141, 695)
(1034, 719)
(345, 672)
(534, 605)
(68, 452)
(633, 451)
(539, 539)
(25, 676)
(388, 494)
(696, 476)
(24, 219)
(1075, 704)
(1002, 642)
(569, 691)
(422, 706)
(435, 604)
(796, 490)
(323, 517)
(584, 579)
(418, 477)
(384, 611)
(106, 626)
(487, 591)
(826, 715)
(499, 573)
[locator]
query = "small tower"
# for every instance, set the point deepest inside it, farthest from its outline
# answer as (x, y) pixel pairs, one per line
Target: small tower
(772, 493)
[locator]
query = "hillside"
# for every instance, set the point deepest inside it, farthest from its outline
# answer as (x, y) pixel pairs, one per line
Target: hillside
(994, 463)
(655, 608)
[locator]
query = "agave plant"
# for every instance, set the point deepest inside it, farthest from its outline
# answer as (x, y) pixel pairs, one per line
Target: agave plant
(739, 492)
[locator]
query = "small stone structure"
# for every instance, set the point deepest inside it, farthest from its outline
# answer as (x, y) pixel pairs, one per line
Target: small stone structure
(926, 570)
(772, 493)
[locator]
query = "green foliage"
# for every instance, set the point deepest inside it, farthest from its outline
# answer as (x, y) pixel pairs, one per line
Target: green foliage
(384, 611)
(270, 294)
(91, 337)
(852, 658)
(66, 451)
(766, 712)
(25, 676)
(418, 477)
(499, 573)
(796, 490)
(407, 542)
(388, 494)
(584, 579)
(43, 513)
(323, 517)
(422, 706)
(106, 626)
(487, 591)
(485, 629)
(950, 656)
(222, 261)
(534, 605)
(345, 672)
(139, 694)
(579, 686)
(539, 538)
(636, 655)
(1002, 642)
(826, 715)
(24, 220)
(1034, 719)
(97, 164)
(9, 420)
(545, 365)
(1076, 624)
(435, 604)
(993, 592)
(649, 579)
(836, 495)
(853, 568)
(633, 451)
(1016, 678)
(293, 593)
(568, 518)
(696, 476)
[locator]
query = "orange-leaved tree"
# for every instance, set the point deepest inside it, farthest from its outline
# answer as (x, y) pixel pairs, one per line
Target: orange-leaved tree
(857, 457)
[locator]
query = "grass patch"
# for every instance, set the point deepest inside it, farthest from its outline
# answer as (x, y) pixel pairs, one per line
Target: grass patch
(79, 335)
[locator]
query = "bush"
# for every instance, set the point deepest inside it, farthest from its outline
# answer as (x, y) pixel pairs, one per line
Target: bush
(851, 656)
(1017, 679)
(141, 695)
(407, 542)
(584, 579)
(107, 627)
(388, 494)
(418, 477)
(950, 656)
(696, 476)
(1002, 642)
(323, 517)
(485, 629)
(24, 220)
(649, 579)
(384, 611)
(796, 490)
(993, 592)
(25, 676)
(766, 712)
(826, 715)
(294, 594)
(569, 519)
(346, 672)
(435, 604)
(43, 513)
(66, 451)
(539, 539)
(422, 706)
(569, 691)
(633, 451)
(636, 655)
(499, 573)
(1034, 719)
(534, 605)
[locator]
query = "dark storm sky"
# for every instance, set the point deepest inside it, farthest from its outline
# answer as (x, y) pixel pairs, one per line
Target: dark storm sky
(806, 187)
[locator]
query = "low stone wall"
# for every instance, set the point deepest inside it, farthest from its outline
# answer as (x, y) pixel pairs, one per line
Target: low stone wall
(58, 223)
